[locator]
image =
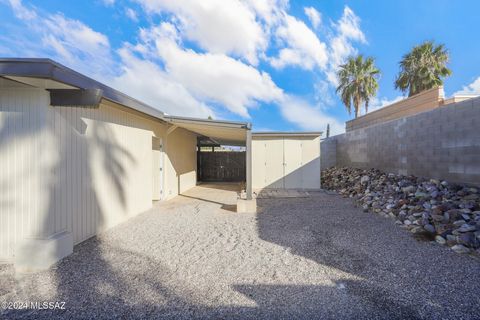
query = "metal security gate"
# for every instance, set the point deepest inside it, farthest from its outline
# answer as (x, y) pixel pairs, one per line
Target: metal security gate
(228, 166)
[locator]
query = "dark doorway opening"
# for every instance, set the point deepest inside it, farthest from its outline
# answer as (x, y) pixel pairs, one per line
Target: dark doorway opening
(219, 163)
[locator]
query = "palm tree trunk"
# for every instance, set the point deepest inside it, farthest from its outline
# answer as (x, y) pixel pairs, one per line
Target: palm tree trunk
(356, 105)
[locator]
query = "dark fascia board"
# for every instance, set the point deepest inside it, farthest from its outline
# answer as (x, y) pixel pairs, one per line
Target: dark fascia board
(236, 124)
(49, 69)
(76, 97)
(286, 133)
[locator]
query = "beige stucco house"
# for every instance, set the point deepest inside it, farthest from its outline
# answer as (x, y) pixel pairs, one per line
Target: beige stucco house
(78, 157)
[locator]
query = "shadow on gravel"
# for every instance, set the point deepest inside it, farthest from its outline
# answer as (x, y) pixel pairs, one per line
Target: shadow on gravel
(117, 284)
(401, 277)
(144, 289)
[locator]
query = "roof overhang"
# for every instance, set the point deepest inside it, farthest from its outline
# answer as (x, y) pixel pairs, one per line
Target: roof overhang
(231, 133)
(48, 74)
(287, 134)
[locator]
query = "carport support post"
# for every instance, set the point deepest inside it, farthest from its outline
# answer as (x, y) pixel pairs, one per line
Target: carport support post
(249, 164)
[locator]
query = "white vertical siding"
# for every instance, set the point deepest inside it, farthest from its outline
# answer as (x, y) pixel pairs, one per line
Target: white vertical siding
(258, 164)
(311, 163)
(110, 151)
(79, 169)
(274, 169)
(24, 163)
(293, 163)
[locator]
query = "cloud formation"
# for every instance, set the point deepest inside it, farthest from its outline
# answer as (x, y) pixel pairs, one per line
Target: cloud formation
(222, 73)
(217, 26)
(302, 46)
(472, 88)
(314, 16)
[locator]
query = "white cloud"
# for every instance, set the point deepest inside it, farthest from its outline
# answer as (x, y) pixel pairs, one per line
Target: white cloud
(21, 11)
(303, 48)
(132, 14)
(341, 45)
(314, 16)
(149, 83)
(212, 77)
(322, 93)
(233, 35)
(269, 11)
(308, 117)
(472, 88)
(67, 40)
(75, 35)
(349, 26)
(108, 2)
(218, 26)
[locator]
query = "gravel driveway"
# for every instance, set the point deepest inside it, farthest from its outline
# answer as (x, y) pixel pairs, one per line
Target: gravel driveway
(299, 258)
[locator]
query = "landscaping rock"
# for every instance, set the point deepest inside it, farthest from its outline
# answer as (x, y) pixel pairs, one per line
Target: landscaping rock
(429, 228)
(460, 249)
(440, 240)
(364, 180)
(449, 211)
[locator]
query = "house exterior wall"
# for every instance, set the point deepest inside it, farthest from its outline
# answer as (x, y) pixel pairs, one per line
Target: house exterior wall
(181, 162)
(25, 176)
(79, 170)
(443, 143)
(285, 162)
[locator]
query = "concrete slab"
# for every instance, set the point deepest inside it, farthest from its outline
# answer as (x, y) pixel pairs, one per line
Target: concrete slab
(247, 206)
(39, 254)
(281, 193)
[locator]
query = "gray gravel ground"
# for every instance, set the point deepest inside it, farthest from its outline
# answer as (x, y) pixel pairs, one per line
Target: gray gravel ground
(299, 258)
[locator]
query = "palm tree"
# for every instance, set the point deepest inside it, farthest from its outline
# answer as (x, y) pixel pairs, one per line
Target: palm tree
(357, 82)
(423, 68)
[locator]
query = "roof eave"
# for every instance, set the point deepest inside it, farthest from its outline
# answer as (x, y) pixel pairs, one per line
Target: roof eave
(49, 69)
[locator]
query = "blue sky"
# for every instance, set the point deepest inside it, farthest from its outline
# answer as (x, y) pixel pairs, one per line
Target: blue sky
(270, 62)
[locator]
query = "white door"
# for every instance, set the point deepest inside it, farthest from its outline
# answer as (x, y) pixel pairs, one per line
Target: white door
(156, 169)
(258, 164)
(274, 164)
(311, 164)
(293, 163)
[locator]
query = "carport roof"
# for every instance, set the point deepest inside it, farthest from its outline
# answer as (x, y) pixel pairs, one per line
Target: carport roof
(220, 131)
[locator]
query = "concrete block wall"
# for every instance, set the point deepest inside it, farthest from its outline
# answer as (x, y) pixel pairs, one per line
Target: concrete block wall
(443, 143)
(328, 153)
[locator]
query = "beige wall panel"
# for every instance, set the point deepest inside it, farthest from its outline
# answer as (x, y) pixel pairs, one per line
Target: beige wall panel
(293, 163)
(258, 164)
(25, 177)
(290, 162)
(274, 171)
(156, 170)
(180, 161)
(311, 163)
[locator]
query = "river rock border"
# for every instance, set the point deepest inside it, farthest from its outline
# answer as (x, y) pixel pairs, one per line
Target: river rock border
(445, 212)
